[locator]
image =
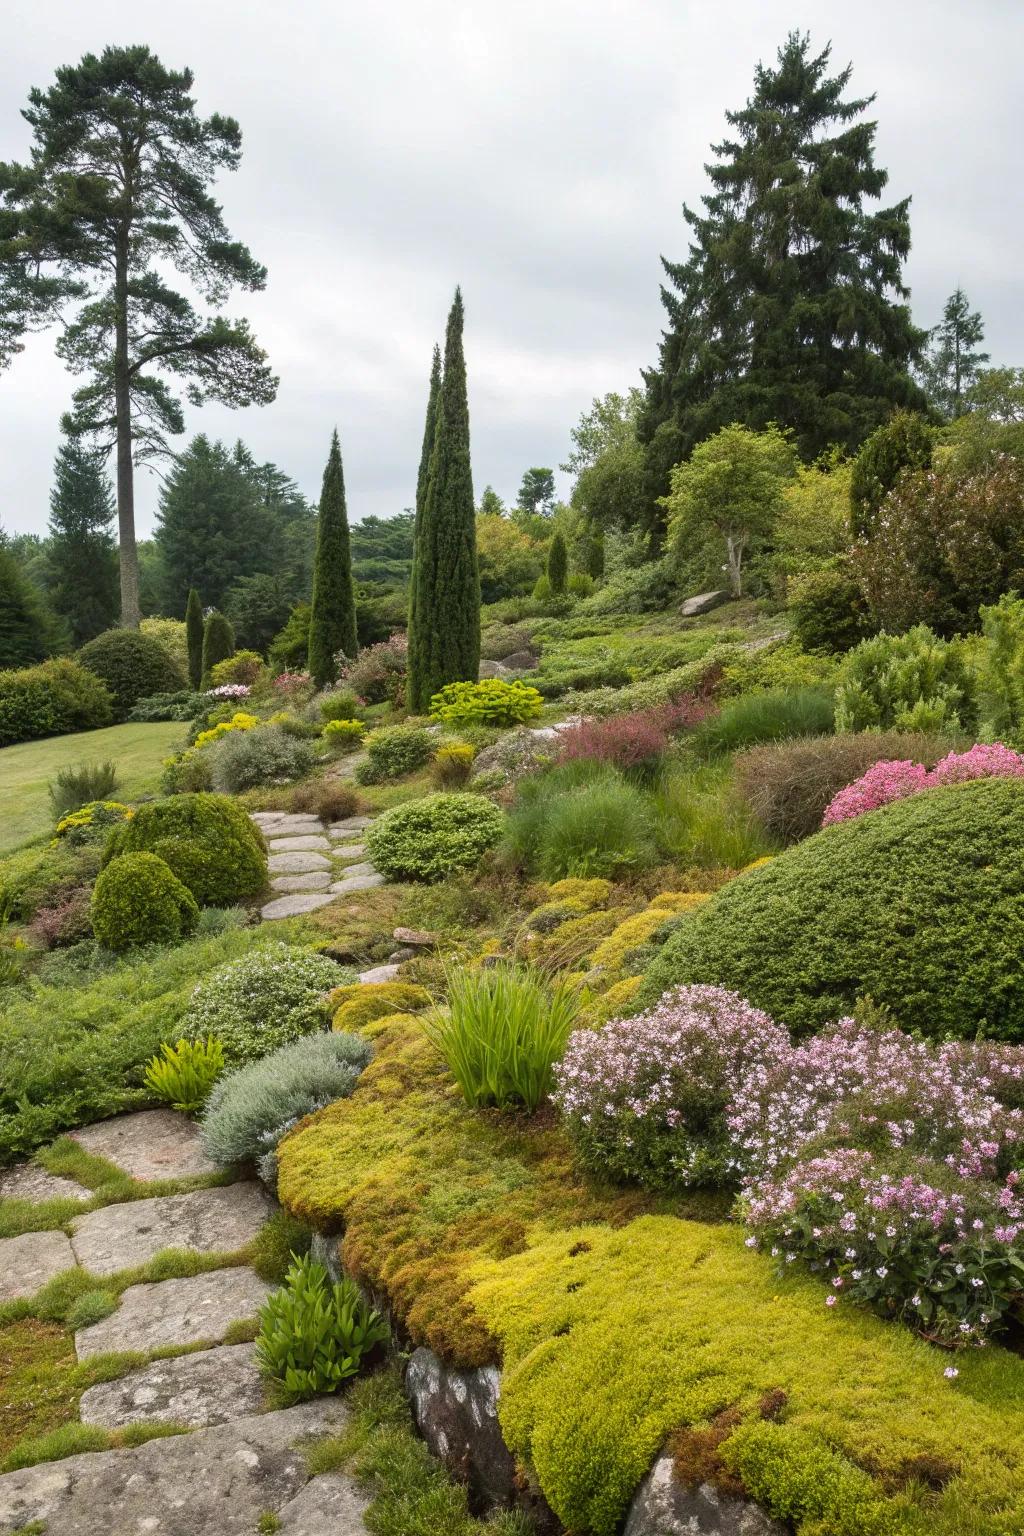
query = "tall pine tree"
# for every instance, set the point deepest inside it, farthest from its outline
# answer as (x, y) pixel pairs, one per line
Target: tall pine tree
(791, 306)
(332, 624)
(423, 481)
(81, 560)
(444, 620)
(194, 637)
(952, 365)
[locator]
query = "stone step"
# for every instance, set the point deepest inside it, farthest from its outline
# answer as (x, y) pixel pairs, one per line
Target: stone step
(307, 843)
(211, 1387)
(316, 880)
(294, 905)
(345, 853)
(27, 1181)
(297, 863)
(350, 824)
(213, 1482)
(205, 1221)
(28, 1262)
(151, 1144)
(353, 883)
(174, 1313)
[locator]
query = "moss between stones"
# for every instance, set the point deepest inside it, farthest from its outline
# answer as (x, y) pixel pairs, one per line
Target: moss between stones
(619, 1321)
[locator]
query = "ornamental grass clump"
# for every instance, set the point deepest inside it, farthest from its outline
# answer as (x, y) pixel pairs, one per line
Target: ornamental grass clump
(583, 819)
(314, 1334)
(501, 1034)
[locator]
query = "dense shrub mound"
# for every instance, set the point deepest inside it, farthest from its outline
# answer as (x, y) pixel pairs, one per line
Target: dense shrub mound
(133, 666)
(919, 905)
(51, 699)
(138, 900)
(208, 841)
(431, 838)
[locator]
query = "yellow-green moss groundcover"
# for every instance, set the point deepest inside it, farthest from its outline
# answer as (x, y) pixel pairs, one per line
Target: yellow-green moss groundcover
(622, 1322)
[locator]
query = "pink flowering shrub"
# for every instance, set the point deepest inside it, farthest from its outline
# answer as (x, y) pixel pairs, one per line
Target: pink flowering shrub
(888, 781)
(292, 683)
(230, 691)
(378, 673)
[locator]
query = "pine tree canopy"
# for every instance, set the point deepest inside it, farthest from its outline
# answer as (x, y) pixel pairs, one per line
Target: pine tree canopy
(791, 306)
(332, 624)
(81, 560)
(444, 617)
(113, 200)
(953, 363)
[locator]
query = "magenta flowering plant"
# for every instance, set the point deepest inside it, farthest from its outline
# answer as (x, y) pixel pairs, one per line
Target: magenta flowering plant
(887, 781)
(291, 683)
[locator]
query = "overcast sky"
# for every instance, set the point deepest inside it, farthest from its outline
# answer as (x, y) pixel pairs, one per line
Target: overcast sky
(537, 153)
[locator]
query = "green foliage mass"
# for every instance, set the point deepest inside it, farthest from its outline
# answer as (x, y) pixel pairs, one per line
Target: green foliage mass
(919, 906)
(183, 1074)
(137, 900)
(492, 701)
(580, 819)
(431, 838)
(444, 614)
(28, 629)
(266, 755)
(81, 560)
(909, 682)
(558, 566)
(314, 1332)
(132, 665)
(51, 699)
(208, 841)
(393, 751)
(262, 1001)
(904, 442)
(194, 638)
(776, 715)
(218, 644)
(332, 624)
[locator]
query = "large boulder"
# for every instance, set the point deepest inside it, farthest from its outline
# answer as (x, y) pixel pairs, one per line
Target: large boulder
(701, 602)
(665, 1507)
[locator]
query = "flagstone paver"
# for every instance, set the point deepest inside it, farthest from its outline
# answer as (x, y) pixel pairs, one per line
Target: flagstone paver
(151, 1144)
(308, 842)
(350, 824)
(294, 905)
(176, 1312)
(27, 1181)
(353, 883)
(297, 863)
(210, 1387)
(28, 1262)
(205, 1221)
(316, 880)
(346, 852)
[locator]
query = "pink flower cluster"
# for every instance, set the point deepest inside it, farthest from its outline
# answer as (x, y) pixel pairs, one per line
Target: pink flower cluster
(292, 682)
(230, 691)
(887, 781)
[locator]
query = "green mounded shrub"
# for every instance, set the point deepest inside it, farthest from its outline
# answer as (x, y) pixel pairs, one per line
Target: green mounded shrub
(433, 837)
(266, 755)
(394, 751)
(581, 819)
(828, 610)
(184, 706)
(242, 667)
(133, 666)
(492, 701)
(339, 704)
(183, 1075)
(452, 767)
(265, 1000)
(51, 699)
(314, 1333)
(788, 784)
(209, 842)
(137, 900)
(909, 682)
(343, 735)
(250, 1110)
(778, 715)
(919, 906)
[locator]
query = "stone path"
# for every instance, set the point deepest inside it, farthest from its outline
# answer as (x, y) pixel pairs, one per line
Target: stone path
(310, 864)
(237, 1464)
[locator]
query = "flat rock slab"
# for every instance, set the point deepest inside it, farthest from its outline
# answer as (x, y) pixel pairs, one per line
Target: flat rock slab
(665, 1507)
(379, 973)
(287, 823)
(176, 1312)
(353, 883)
(297, 863)
(308, 842)
(152, 1144)
(363, 868)
(316, 880)
(294, 905)
(29, 1182)
(205, 1221)
(350, 824)
(211, 1387)
(215, 1482)
(418, 937)
(346, 852)
(28, 1262)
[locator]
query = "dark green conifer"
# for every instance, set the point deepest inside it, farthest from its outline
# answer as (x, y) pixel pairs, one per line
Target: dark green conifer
(902, 442)
(194, 637)
(558, 566)
(444, 640)
(28, 630)
(332, 624)
(218, 643)
(423, 479)
(81, 560)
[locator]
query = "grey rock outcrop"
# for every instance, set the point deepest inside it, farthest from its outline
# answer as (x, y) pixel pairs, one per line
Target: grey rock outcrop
(701, 602)
(665, 1507)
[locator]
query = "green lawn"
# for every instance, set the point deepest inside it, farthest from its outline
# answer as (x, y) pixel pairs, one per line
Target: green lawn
(26, 770)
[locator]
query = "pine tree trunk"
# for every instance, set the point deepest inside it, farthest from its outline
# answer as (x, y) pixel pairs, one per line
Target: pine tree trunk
(127, 553)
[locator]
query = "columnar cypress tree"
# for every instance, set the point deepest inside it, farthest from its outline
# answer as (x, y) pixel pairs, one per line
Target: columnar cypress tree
(444, 638)
(332, 624)
(218, 643)
(81, 561)
(194, 637)
(558, 566)
(422, 482)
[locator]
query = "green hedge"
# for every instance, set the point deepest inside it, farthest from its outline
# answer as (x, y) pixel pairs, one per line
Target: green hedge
(919, 905)
(52, 699)
(208, 841)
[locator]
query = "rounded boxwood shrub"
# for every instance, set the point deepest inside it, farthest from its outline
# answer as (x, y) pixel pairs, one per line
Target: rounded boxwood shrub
(918, 905)
(133, 666)
(433, 837)
(138, 899)
(393, 751)
(208, 841)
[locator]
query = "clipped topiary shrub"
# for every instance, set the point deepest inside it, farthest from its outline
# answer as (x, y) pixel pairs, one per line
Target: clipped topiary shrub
(265, 1000)
(433, 837)
(137, 900)
(208, 841)
(250, 1110)
(919, 905)
(133, 666)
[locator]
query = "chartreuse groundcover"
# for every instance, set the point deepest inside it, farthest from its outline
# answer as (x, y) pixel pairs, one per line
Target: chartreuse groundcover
(623, 1324)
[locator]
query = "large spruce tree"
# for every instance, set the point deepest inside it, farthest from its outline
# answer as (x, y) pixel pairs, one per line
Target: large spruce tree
(29, 631)
(113, 199)
(332, 623)
(211, 527)
(791, 306)
(954, 362)
(81, 560)
(444, 628)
